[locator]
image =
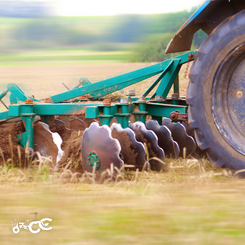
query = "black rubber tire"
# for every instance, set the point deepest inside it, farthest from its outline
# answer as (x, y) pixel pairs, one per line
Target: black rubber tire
(213, 77)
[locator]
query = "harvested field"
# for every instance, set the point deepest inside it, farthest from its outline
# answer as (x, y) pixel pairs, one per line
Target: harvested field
(43, 81)
(192, 203)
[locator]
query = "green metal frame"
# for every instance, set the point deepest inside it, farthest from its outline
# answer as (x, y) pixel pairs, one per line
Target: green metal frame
(59, 104)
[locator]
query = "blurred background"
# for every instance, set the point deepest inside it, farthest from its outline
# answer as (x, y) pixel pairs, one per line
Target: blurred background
(128, 31)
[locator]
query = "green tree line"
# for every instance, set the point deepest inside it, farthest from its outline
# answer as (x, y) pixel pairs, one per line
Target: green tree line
(148, 34)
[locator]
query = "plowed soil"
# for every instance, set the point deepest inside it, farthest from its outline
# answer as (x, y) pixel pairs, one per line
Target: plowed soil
(72, 153)
(9, 152)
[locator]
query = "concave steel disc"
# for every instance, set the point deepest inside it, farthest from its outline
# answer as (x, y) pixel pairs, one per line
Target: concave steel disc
(77, 124)
(165, 140)
(149, 138)
(133, 152)
(198, 153)
(180, 135)
(47, 143)
(62, 130)
(98, 142)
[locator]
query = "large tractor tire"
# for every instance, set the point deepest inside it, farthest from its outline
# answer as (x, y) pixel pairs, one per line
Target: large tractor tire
(216, 94)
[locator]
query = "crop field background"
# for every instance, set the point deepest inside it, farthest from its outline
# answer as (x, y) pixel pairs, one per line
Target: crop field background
(192, 202)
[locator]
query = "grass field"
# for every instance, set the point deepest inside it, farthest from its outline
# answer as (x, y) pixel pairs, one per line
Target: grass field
(191, 203)
(62, 56)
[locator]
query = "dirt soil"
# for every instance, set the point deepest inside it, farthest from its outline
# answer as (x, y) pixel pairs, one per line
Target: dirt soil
(127, 147)
(72, 158)
(9, 152)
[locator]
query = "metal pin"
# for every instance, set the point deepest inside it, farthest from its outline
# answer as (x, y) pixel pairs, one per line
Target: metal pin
(4, 104)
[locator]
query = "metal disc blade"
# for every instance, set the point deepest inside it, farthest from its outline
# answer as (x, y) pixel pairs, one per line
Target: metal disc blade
(165, 140)
(198, 153)
(77, 124)
(47, 143)
(87, 121)
(149, 138)
(180, 136)
(133, 152)
(62, 130)
(189, 129)
(97, 141)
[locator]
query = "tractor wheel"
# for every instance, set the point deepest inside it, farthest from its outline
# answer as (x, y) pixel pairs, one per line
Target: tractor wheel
(216, 94)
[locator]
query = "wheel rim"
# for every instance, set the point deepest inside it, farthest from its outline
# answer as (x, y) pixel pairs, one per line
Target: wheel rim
(228, 98)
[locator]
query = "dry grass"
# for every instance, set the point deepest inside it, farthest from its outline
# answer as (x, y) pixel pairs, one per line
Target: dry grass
(192, 202)
(177, 171)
